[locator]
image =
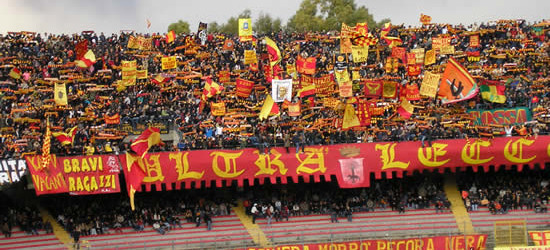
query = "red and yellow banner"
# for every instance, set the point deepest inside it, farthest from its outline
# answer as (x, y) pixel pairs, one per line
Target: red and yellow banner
(540, 238)
(244, 88)
(168, 62)
(207, 166)
(79, 175)
(476, 241)
(324, 85)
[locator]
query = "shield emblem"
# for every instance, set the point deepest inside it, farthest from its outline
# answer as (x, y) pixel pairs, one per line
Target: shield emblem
(352, 171)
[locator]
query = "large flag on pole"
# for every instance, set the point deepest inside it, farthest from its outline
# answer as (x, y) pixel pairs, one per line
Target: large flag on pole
(273, 51)
(149, 138)
(86, 61)
(66, 138)
(456, 83)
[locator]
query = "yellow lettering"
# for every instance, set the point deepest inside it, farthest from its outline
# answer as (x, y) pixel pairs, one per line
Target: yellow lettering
(380, 244)
(264, 163)
(324, 247)
(113, 181)
(152, 166)
(470, 241)
(353, 246)
(388, 157)
(36, 180)
(471, 153)
(71, 184)
(481, 242)
(79, 186)
(102, 180)
(182, 166)
(93, 184)
(85, 167)
(459, 245)
(419, 243)
(365, 245)
(430, 245)
(516, 155)
(76, 165)
(67, 166)
(285, 248)
(229, 163)
(295, 248)
(410, 245)
(314, 156)
(429, 159)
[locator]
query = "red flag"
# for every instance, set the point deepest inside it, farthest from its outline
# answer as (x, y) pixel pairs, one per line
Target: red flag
(362, 28)
(81, 48)
(66, 138)
(149, 138)
(244, 87)
(373, 89)
(134, 175)
(306, 65)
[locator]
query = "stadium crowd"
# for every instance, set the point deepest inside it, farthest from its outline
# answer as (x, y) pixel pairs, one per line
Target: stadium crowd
(510, 51)
(501, 191)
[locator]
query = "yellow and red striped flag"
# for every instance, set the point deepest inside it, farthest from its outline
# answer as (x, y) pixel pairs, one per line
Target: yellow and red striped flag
(66, 138)
(149, 138)
(170, 37)
(46, 146)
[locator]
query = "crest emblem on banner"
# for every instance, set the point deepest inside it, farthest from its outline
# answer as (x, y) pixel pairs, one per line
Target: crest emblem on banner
(352, 169)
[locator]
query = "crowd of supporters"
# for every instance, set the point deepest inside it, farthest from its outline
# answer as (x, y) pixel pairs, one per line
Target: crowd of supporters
(501, 191)
(510, 51)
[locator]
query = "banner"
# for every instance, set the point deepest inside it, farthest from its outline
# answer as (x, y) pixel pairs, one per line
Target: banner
(294, 109)
(429, 84)
(373, 89)
(345, 45)
(345, 86)
(418, 55)
(502, 116)
(11, 170)
(140, 43)
(456, 84)
(207, 166)
(141, 74)
(281, 90)
(168, 62)
(114, 119)
(306, 65)
(245, 29)
(425, 19)
(474, 41)
(224, 76)
(399, 53)
(463, 242)
(429, 58)
(389, 89)
(360, 53)
(243, 87)
(60, 94)
(218, 108)
(324, 85)
(129, 72)
(447, 50)
(540, 238)
(250, 57)
(77, 175)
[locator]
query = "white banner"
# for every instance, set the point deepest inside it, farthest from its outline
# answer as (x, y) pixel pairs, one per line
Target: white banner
(281, 90)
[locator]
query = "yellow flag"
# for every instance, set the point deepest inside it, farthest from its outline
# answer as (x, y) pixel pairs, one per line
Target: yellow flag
(168, 62)
(245, 29)
(60, 92)
(429, 84)
(250, 57)
(429, 59)
(350, 118)
(266, 108)
(360, 53)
